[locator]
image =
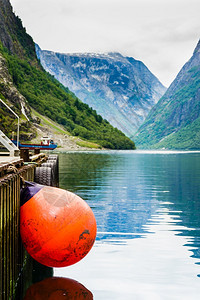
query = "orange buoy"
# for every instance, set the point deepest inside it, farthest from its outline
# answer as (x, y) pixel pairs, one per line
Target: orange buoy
(57, 227)
(57, 288)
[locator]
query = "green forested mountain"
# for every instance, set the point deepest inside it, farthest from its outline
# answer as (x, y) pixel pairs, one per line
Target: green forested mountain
(174, 122)
(23, 82)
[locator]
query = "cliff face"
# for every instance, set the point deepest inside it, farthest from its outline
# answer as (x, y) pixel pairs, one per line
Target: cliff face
(13, 35)
(119, 88)
(175, 121)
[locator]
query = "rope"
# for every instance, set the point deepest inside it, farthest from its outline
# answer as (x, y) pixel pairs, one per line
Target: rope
(11, 169)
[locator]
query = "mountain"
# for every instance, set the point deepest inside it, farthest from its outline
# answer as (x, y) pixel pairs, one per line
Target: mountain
(174, 122)
(24, 84)
(13, 35)
(119, 88)
(14, 40)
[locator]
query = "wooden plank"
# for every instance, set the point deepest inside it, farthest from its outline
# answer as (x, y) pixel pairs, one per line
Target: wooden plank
(11, 249)
(5, 245)
(8, 239)
(15, 233)
(1, 241)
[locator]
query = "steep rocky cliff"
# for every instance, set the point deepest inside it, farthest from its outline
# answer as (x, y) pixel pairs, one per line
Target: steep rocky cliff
(119, 88)
(175, 121)
(14, 38)
(13, 35)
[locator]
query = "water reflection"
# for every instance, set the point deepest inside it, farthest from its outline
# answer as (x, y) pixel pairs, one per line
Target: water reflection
(179, 175)
(56, 288)
(147, 208)
(126, 189)
(118, 196)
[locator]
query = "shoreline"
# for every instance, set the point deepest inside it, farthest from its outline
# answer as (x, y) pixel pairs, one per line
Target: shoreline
(137, 151)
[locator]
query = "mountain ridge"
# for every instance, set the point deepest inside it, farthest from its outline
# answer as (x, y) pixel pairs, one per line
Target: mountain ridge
(171, 123)
(120, 88)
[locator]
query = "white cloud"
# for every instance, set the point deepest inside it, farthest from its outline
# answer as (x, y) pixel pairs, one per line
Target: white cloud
(161, 33)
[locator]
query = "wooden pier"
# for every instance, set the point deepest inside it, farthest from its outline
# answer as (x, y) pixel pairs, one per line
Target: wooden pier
(12, 254)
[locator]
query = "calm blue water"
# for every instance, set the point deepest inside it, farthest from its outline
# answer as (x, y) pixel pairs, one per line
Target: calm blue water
(147, 207)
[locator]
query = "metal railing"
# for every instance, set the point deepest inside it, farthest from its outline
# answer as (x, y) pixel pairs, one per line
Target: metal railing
(10, 109)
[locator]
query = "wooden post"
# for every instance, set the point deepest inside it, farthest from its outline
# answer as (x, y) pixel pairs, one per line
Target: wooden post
(24, 154)
(37, 151)
(1, 239)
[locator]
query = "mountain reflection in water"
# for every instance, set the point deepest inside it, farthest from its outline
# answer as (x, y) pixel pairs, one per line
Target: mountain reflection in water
(147, 207)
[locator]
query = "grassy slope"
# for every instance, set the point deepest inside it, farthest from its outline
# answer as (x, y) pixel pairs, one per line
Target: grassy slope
(47, 121)
(187, 138)
(59, 133)
(163, 128)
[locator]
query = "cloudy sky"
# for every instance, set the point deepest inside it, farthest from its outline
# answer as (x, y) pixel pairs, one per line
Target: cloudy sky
(161, 33)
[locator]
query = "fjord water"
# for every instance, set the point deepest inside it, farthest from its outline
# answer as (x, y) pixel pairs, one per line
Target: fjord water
(147, 207)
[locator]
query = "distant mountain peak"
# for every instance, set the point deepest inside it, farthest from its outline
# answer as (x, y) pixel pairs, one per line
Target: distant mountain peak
(121, 89)
(197, 49)
(99, 55)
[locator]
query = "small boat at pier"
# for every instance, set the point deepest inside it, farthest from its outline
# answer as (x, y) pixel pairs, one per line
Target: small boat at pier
(46, 144)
